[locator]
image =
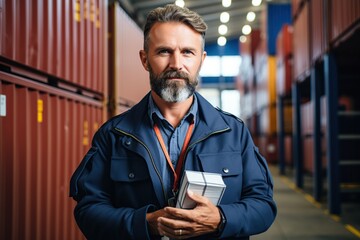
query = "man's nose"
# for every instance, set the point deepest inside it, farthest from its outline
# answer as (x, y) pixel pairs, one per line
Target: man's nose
(176, 61)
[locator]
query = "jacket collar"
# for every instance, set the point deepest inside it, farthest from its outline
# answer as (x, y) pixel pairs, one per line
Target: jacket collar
(210, 120)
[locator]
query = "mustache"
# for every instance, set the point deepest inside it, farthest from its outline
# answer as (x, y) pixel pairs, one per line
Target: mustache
(174, 74)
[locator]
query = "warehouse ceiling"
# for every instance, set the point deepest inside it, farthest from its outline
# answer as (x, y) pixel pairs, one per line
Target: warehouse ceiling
(210, 10)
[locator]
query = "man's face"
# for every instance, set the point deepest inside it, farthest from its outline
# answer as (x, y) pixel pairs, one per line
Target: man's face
(173, 60)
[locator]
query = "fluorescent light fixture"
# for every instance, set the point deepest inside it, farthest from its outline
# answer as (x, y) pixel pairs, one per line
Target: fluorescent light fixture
(242, 38)
(224, 17)
(256, 3)
(226, 3)
(180, 3)
(222, 29)
(221, 41)
(246, 30)
(250, 16)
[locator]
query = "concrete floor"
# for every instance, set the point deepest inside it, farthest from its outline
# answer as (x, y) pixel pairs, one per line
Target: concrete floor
(301, 218)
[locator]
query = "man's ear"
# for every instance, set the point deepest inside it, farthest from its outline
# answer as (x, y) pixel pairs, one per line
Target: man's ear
(143, 59)
(204, 54)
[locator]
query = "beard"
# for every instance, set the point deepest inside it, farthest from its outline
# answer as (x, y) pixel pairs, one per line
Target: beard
(172, 90)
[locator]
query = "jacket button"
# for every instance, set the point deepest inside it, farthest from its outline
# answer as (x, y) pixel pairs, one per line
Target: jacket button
(128, 142)
(225, 170)
(131, 175)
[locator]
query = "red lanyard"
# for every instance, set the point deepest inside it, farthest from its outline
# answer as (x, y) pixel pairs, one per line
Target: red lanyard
(181, 159)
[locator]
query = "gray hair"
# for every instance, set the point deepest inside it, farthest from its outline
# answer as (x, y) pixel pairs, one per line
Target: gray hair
(173, 13)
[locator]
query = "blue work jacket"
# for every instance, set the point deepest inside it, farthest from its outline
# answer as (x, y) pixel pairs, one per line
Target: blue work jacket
(119, 180)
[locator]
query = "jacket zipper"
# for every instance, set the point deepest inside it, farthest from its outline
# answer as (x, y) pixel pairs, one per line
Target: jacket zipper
(202, 139)
(151, 157)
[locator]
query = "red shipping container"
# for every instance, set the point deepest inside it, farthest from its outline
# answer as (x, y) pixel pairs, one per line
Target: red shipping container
(284, 42)
(302, 45)
(128, 79)
(284, 56)
(65, 40)
(296, 6)
(44, 134)
(308, 144)
(318, 29)
(288, 151)
(284, 76)
(343, 15)
(268, 148)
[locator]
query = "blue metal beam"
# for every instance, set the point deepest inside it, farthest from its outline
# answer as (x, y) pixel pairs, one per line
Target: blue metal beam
(332, 149)
(297, 142)
(281, 134)
(317, 156)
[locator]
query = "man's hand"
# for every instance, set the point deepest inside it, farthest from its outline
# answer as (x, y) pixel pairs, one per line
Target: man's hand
(185, 223)
(152, 220)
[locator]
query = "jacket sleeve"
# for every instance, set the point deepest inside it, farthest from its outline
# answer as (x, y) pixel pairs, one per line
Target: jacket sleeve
(91, 187)
(256, 210)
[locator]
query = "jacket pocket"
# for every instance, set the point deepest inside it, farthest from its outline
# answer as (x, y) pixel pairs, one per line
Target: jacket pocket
(131, 181)
(75, 184)
(227, 164)
(125, 169)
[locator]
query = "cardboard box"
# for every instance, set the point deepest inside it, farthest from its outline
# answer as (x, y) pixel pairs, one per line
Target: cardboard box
(210, 185)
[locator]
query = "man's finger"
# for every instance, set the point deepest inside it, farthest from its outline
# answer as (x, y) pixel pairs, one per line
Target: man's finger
(197, 198)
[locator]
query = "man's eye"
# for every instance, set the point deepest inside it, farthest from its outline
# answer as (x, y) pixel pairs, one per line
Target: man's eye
(164, 51)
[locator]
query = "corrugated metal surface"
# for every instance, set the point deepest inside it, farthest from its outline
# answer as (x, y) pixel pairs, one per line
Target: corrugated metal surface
(284, 62)
(284, 42)
(318, 15)
(302, 44)
(296, 6)
(65, 39)
(343, 15)
(1, 20)
(289, 159)
(284, 76)
(129, 81)
(44, 134)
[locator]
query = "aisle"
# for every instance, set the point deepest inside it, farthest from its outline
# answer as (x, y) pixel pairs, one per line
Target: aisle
(301, 219)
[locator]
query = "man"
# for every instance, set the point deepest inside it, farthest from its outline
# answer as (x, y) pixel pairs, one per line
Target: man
(128, 180)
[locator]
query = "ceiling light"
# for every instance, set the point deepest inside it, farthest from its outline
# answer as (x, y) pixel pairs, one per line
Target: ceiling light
(256, 3)
(226, 3)
(224, 17)
(242, 38)
(180, 3)
(221, 41)
(246, 30)
(222, 29)
(250, 16)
